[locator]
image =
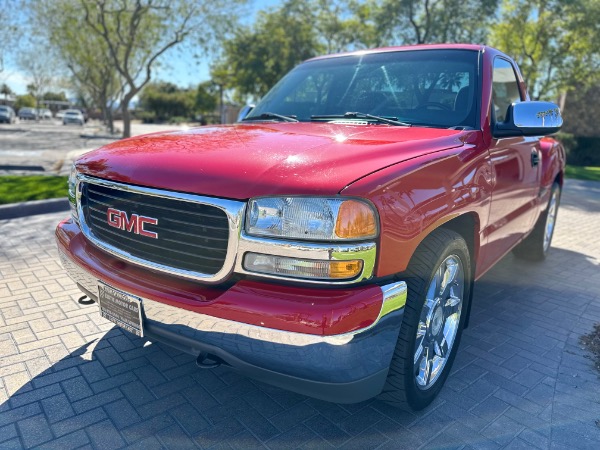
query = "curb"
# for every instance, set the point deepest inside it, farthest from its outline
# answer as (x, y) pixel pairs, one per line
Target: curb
(16, 210)
(100, 136)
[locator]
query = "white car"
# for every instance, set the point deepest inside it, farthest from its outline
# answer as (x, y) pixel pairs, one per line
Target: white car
(73, 116)
(44, 113)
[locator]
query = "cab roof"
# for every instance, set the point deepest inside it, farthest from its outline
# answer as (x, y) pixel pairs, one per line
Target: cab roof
(472, 47)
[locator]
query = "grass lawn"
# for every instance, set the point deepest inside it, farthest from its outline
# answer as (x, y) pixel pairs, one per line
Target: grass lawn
(21, 188)
(583, 173)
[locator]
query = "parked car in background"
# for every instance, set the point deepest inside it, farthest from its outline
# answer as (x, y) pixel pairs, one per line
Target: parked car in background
(60, 114)
(7, 114)
(44, 113)
(28, 114)
(73, 116)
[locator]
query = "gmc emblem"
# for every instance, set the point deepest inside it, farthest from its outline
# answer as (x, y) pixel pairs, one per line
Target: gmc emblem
(135, 223)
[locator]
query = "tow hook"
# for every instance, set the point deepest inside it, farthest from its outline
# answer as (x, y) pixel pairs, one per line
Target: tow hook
(82, 300)
(207, 361)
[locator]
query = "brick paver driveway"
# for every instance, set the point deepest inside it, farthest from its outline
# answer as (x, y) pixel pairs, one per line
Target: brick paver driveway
(521, 379)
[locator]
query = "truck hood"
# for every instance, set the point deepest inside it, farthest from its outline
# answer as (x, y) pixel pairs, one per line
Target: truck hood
(247, 160)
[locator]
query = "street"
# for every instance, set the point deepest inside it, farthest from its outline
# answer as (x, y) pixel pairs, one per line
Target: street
(49, 146)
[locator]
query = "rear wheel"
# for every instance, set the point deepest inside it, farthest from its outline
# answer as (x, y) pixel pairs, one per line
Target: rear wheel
(536, 246)
(438, 281)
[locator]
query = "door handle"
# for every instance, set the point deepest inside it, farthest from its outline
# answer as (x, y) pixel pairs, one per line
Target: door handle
(535, 158)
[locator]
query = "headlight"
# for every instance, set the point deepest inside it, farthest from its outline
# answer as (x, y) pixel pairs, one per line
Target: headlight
(72, 192)
(316, 219)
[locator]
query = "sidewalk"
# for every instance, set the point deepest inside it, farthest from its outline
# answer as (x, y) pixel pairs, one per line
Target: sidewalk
(68, 378)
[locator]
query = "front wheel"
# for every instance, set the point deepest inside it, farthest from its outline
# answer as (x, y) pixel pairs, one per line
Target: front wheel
(439, 285)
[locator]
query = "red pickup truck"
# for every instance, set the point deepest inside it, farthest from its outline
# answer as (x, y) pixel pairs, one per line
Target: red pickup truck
(328, 242)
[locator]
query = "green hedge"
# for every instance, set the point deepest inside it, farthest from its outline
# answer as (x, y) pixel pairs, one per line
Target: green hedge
(581, 151)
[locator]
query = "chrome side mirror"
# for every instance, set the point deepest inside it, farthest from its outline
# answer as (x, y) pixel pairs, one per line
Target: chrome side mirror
(530, 119)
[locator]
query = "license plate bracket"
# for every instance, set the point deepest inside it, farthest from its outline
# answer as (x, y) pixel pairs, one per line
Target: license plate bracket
(121, 308)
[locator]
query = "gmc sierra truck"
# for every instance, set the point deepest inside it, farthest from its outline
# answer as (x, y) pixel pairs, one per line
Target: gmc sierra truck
(328, 242)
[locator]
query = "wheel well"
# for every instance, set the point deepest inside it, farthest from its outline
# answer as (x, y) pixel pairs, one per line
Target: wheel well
(559, 178)
(467, 225)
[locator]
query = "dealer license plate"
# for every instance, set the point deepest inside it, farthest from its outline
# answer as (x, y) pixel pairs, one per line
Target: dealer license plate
(121, 308)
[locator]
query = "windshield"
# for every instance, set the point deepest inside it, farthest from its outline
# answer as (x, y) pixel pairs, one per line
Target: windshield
(426, 87)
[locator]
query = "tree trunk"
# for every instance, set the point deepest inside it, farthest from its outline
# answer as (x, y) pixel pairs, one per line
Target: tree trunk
(562, 100)
(110, 120)
(126, 117)
(107, 114)
(104, 114)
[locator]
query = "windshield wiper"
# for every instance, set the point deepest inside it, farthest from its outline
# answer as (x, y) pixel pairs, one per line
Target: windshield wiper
(359, 115)
(270, 115)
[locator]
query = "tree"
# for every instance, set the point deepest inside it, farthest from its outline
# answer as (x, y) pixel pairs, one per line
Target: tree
(335, 24)
(86, 57)
(256, 57)
(25, 101)
(131, 36)
(55, 96)
(557, 45)
(40, 64)
(391, 22)
(138, 33)
(206, 97)
(8, 27)
(166, 101)
(6, 91)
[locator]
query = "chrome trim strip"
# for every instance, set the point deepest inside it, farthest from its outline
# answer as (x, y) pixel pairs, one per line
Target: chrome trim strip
(394, 298)
(338, 251)
(233, 209)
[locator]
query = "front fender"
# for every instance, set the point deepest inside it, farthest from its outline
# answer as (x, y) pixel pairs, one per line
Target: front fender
(553, 162)
(415, 197)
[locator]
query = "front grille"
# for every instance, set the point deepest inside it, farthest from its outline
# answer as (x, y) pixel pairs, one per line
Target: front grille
(191, 236)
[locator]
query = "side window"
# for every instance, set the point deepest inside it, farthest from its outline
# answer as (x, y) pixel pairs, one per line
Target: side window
(505, 88)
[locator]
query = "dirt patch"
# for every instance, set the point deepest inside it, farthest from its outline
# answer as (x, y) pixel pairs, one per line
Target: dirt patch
(591, 341)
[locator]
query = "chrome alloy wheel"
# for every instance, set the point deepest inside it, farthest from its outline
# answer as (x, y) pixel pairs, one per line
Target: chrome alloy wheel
(439, 321)
(550, 219)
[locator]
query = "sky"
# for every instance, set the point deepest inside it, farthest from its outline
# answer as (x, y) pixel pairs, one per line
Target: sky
(177, 67)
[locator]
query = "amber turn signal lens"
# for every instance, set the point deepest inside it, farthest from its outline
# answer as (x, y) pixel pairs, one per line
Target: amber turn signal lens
(355, 220)
(345, 269)
(302, 268)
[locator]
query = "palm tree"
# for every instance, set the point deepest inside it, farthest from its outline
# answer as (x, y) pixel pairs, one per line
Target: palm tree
(6, 91)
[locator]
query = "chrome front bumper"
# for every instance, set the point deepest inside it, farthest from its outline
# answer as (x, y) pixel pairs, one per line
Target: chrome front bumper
(346, 368)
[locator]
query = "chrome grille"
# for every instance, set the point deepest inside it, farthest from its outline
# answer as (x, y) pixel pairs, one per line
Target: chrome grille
(193, 237)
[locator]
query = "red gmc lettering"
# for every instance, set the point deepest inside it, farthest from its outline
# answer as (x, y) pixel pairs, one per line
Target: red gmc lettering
(113, 217)
(142, 220)
(119, 219)
(130, 224)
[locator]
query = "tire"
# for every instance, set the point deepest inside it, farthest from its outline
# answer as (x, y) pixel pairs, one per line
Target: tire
(536, 246)
(432, 325)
